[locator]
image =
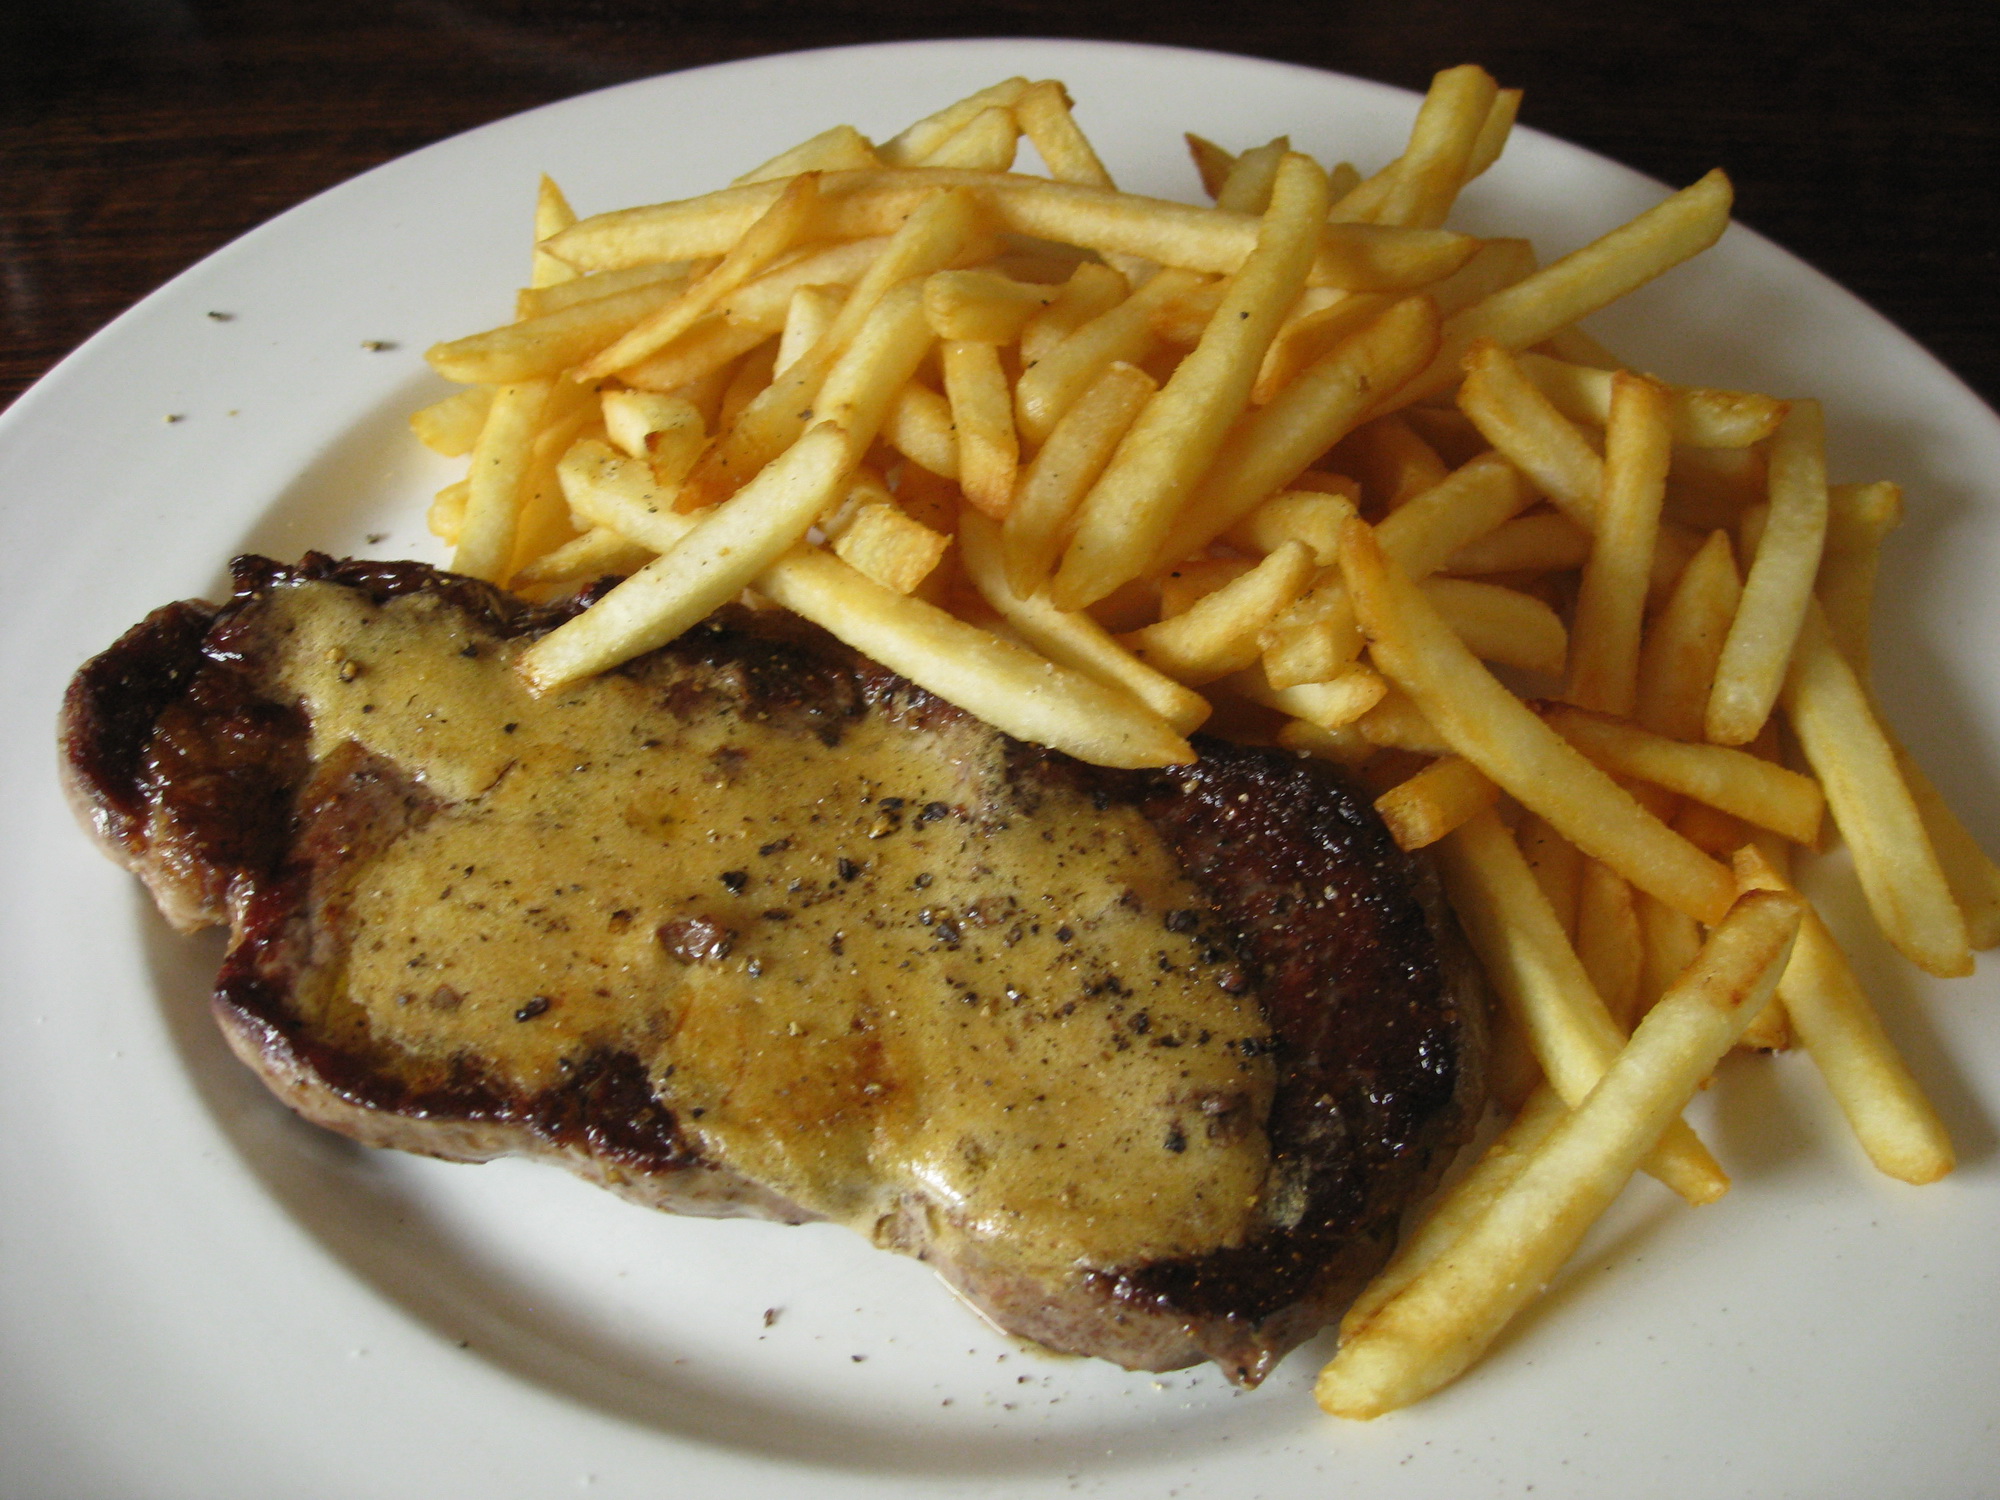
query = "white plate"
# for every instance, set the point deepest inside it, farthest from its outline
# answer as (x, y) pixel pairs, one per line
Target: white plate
(200, 1296)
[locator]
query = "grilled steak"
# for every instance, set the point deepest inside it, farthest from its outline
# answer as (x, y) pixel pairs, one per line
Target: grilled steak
(1145, 1063)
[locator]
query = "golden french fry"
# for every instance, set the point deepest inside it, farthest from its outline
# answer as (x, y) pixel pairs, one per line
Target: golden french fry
(788, 220)
(1558, 869)
(1682, 645)
(452, 426)
(1669, 942)
(1392, 463)
(607, 490)
(1608, 939)
(1701, 418)
(1123, 333)
(985, 143)
(532, 302)
(1211, 163)
(1068, 464)
(1396, 723)
(840, 149)
(1513, 415)
(1545, 542)
(1778, 585)
(918, 426)
(766, 302)
(808, 316)
(1581, 282)
(926, 135)
(1126, 515)
(1273, 447)
(1090, 291)
(1735, 781)
(1006, 685)
(1463, 1203)
(1073, 640)
(1186, 586)
(710, 347)
(1318, 321)
(1438, 160)
(1294, 516)
(1445, 1318)
(1896, 1125)
(1343, 746)
(1354, 257)
(1858, 517)
(1530, 962)
(494, 493)
(1247, 187)
(1973, 877)
(1218, 635)
(1871, 804)
(552, 215)
(1604, 666)
(1500, 625)
(727, 548)
(882, 542)
(598, 553)
(1439, 798)
(1331, 705)
(546, 345)
(1503, 737)
(1044, 112)
(446, 516)
(982, 413)
(981, 305)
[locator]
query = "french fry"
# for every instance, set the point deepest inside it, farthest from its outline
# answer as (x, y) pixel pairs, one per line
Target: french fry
(1219, 634)
(1700, 418)
(1006, 685)
(982, 414)
(1681, 647)
(532, 302)
(1056, 480)
(1211, 163)
(1332, 705)
(1246, 187)
(1972, 876)
(1121, 334)
(1044, 112)
(985, 143)
(1294, 516)
(1545, 542)
(485, 544)
(981, 305)
(1871, 804)
(1604, 666)
(1755, 790)
(711, 346)
(1439, 798)
(451, 427)
(1896, 1125)
(1500, 625)
(1392, 463)
(1669, 942)
(446, 515)
(1441, 1322)
(1072, 640)
(1125, 516)
(926, 135)
(1778, 585)
(727, 548)
(1438, 160)
(1213, 241)
(598, 553)
(1493, 729)
(1396, 723)
(1581, 282)
(1530, 962)
(918, 425)
(840, 149)
(1091, 291)
(1466, 1200)
(1859, 516)
(1319, 320)
(1513, 415)
(788, 220)
(1275, 445)
(1186, 586)
(552, 216)
(537, 347)
(808, 316)
(1558, 869)
(1608, 939)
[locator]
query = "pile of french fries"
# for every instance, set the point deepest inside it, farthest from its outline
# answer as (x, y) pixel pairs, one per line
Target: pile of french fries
(1307, 468)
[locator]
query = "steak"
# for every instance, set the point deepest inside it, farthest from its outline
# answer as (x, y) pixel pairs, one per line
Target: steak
(1145, 1063)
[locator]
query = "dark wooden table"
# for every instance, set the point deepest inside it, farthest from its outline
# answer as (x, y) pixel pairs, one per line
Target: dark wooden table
(138, 135)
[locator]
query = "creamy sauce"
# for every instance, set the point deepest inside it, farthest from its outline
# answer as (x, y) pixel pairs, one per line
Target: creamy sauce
(865, 975)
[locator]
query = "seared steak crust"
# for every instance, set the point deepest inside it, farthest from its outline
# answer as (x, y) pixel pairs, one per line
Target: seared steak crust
(193, 774)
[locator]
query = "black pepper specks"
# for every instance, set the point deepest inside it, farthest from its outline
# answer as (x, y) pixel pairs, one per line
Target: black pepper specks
(535, 1007)
(733, 881)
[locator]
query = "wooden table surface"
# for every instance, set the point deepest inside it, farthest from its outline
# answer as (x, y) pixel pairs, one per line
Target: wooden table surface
(136, 136)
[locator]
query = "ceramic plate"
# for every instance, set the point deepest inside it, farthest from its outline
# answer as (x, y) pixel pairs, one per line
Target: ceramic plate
(201, 1296)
